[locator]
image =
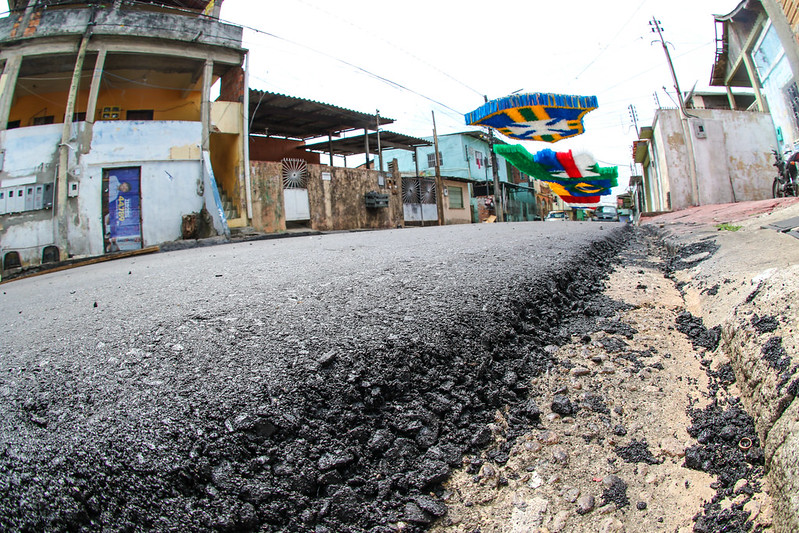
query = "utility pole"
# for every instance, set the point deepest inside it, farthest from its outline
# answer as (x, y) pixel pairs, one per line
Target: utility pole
(633, 117)
(439, 184)
(379, 149)
(495, 171)
(686, 126)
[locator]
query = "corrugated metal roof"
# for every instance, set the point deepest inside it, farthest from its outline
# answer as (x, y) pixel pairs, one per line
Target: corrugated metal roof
(356, 144)
(297, 118)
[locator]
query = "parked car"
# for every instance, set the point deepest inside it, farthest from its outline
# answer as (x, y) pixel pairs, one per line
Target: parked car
(606, 213)
(556, 216)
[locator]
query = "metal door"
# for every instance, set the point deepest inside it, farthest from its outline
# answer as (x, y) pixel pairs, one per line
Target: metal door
(296, 203)
(419, 200)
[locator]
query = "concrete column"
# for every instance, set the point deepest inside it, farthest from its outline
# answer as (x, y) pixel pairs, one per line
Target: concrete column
(94, 90)
(205, 108)
(245, 133)
(8, 82)
(731, 98)
(60, 226)
(751, 70)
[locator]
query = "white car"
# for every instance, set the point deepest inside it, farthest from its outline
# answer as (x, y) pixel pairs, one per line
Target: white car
(556, 216)
(606, 213)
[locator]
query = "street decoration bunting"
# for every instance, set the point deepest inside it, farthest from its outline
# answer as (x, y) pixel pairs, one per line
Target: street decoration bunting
(544, 117)
(576, 178)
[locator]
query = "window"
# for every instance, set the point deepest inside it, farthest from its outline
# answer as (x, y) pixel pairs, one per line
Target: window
(140, 114)
(79, 117)
(431, 160)
(11, 260)
(768, 53)
(455, 197)
(41, 121)
(50, 254)
(792, 95)
(478, 158)
(12, 124)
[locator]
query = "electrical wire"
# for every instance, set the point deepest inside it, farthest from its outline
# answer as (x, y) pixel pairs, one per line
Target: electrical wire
(394, 45)
(603, 50)
(356, 67)
(654, 68)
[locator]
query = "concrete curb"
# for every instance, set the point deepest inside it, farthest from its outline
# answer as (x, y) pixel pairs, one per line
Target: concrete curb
(753, 275)
(768, 384)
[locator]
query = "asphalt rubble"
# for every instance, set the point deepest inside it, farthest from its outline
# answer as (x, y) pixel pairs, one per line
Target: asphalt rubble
(359, 440)
(380, 439)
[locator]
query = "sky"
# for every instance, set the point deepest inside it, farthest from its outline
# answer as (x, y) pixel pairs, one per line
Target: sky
(409, 58)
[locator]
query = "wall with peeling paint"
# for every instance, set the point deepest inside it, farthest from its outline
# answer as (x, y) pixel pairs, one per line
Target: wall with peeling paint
(457, 215)
(732, 151)
(171, 180)
(336, 204)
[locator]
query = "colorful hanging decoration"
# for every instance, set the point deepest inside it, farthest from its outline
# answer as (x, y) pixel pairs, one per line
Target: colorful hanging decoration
(577, 179)
(535, 116)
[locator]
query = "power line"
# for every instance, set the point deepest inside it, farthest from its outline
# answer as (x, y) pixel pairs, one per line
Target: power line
(603, 50)
(656, 67)
(353, 66)
(394, 45)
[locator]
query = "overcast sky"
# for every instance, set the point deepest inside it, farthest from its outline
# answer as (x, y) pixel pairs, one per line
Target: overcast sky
(444, 56)
(454, 53)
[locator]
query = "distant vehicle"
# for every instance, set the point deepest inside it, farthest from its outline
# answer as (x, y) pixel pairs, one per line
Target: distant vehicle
(606, 213)
(556, 216)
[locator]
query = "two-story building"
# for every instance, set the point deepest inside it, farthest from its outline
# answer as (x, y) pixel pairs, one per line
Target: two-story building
(465, 167)
(756, 48)
(108, 133)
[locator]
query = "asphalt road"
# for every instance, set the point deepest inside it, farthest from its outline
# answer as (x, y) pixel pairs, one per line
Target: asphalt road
(227, 387)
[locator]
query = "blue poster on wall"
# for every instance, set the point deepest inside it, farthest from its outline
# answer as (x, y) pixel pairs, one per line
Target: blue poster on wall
(124, 209)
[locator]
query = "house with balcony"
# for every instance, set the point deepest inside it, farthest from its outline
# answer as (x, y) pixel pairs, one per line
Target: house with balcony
(109, 138)
(756, 49)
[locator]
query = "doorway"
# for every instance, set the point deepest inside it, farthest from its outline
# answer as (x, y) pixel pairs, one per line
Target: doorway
(122, 209)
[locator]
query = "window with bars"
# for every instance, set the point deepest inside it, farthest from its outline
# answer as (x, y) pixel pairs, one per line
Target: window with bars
(455, 197)
(431, 160)
(792, 95)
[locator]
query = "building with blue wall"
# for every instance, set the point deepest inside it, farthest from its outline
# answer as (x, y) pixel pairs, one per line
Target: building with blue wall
(465, 158)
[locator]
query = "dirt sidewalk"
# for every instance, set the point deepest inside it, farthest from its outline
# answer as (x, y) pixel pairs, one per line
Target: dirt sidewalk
(641, 426)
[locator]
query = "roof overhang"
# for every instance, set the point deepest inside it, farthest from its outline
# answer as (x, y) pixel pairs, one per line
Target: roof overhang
(483, 136)
(726, 70)
(641, 151)
(357, 144)
(279, 115)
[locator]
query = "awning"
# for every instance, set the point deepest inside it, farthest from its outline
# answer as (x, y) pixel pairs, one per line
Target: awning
(357, 144)
(297, 118)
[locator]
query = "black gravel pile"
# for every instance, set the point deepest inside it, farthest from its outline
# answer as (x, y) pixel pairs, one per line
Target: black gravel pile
(616, 492)
(357, 439)
(728, 446)
(691, 255)
(764, 324)
(637, 451)
(693, 328)
(774, 354)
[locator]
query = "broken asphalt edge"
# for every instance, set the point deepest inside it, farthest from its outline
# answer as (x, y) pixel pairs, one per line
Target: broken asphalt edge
(165, 247)
(753, 273)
